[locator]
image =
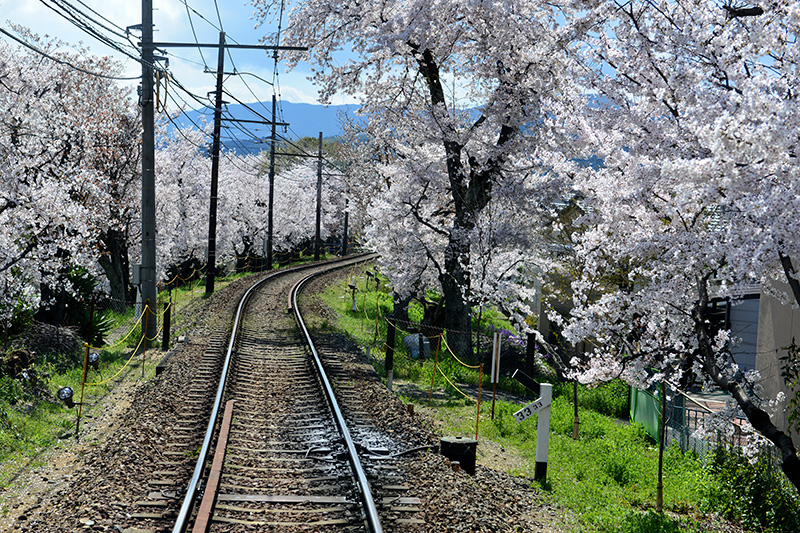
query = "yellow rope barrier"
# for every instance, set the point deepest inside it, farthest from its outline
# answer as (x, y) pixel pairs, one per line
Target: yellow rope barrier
(123, 366)
(125, 338)
(452, 385)
(136, 350)
(474, 367)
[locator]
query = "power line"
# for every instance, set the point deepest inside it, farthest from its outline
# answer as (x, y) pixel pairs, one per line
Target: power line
(64, 62)
(79, 19)
(194, 33)
(81, 2)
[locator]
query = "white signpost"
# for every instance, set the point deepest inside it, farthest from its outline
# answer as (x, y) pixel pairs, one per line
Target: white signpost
(495, 367)
(542, 406)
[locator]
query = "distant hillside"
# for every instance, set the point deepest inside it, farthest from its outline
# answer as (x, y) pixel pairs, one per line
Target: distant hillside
(305, 120)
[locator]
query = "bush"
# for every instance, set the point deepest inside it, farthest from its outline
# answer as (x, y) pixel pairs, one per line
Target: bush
(610, 398)
(757, 495)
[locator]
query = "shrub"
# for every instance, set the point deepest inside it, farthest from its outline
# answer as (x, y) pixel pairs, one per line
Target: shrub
(610, 398)
(756, 494)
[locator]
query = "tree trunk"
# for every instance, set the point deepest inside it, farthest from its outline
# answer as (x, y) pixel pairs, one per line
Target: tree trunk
(758, 418)
(791, 276)
(400, 308)
(115, 263)
(455, 292)
(470, 186)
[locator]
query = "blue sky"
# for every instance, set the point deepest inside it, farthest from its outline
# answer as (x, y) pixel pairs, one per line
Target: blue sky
(172, 24)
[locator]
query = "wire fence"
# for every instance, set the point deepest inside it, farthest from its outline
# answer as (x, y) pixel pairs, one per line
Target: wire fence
(695, 427)
(470, 348)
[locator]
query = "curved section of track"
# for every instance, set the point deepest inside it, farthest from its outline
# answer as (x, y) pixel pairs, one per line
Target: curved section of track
(289, 462)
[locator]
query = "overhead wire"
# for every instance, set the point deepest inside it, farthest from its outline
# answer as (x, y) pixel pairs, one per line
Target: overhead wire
(72, 10)
(194, 33)
(62, 61)
(231, 140)
(83, 22)
(84, 4)
(276, 85)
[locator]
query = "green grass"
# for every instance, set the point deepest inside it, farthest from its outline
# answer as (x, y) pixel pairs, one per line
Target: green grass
(33, 420)
(606, 478)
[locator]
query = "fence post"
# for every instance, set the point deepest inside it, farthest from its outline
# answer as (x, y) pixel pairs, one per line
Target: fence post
(83, 386)
(478, 413)
(495, 366)
(576, 423)
(389, 361)
(166, 325)
(433, 377)
(530, 354)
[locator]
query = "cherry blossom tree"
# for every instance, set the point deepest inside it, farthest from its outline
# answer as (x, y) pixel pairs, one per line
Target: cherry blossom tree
(470, 78)
(58, 130)
(692, 108)
(183, 174)
(296, 201)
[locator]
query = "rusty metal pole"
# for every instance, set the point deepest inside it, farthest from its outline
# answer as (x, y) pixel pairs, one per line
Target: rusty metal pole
(166, 323)
(389, 360)
(83, 386)
(480, 386)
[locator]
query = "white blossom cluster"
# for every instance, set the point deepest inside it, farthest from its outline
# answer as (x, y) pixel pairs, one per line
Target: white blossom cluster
(58, 135)
(673, 125)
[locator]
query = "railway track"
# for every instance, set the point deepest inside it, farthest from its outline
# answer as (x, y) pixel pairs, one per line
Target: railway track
(287, 456)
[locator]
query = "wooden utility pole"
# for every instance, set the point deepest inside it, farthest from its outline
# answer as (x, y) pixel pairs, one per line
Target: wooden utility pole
(271, 187)
(212, 212)
(148, 268)
(317, 239)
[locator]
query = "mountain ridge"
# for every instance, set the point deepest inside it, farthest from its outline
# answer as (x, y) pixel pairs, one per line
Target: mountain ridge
(305, 120)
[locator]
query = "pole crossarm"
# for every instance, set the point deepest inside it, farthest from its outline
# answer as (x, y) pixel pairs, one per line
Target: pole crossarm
(236, 46)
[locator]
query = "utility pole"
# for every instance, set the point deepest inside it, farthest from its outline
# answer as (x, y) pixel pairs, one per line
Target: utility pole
(271, 186)
(212, 219)
(212, 215)
(148, 268)
(344, 236)
(317, 240)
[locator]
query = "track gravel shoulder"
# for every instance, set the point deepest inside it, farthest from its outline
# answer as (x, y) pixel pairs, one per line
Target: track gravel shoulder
(489, 501)
(93, 485)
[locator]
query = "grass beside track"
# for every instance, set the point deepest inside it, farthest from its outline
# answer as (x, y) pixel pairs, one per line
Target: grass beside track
(33, 421)
(606, 478)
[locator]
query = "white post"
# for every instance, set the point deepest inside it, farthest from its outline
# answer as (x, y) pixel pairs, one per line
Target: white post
(543, 433)
(495, 367)
(496, 340)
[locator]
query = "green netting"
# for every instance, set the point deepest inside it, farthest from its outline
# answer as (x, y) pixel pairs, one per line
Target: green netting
(645, 410)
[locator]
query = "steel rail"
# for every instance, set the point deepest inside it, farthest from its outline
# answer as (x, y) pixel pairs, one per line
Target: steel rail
(373, 520)
(182, 520)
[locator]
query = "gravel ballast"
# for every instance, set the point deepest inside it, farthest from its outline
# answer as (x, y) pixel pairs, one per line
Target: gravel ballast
(94, 484)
